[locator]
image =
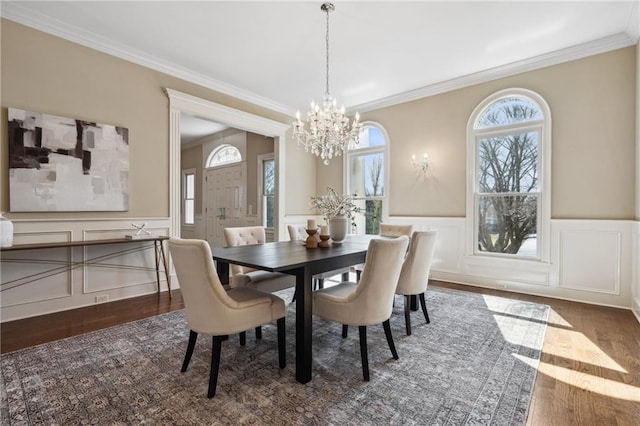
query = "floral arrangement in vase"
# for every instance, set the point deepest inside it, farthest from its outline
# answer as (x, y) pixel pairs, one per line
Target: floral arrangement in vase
(332, 205)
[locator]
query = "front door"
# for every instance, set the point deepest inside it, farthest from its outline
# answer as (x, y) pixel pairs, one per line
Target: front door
(226, 198)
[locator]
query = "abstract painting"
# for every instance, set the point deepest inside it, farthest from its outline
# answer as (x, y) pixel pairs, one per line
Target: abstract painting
(59, 164)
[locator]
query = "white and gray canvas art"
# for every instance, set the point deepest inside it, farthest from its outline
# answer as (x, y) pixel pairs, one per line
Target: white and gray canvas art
(59, 164)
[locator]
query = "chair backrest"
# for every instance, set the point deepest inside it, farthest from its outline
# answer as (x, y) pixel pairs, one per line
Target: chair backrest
(297, 232)
(414, 276)
(387, 230)
(244, 236)
(205, 299)
(376, 288)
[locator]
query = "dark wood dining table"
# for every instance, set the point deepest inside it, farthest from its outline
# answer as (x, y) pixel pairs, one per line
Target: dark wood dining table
(292, 257)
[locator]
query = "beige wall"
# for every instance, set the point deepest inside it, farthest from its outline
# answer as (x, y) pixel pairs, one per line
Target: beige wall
(592, 100)
(593, 110)
(46, 74)
(256, 145)
(191, 158)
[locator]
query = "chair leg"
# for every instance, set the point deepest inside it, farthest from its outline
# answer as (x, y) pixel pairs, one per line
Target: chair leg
(295, 293)
(345, 276)
(243, 338)
(424, 308)
(345, 330)
(407, 314)
(282, 354)
(358, 273)
(363, 352)
(387, 332)
(193, 336)
(215, 366)
(320, 282)
(258, 333)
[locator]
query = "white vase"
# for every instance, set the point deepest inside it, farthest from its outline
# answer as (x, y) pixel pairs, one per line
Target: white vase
(6, 232)
(338, 228)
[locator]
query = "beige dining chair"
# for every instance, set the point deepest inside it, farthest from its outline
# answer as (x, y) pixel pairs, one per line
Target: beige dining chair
(388, 230)
(242, 276)
(369, 301)
(299, 233)
(414, 277)
(212, 310)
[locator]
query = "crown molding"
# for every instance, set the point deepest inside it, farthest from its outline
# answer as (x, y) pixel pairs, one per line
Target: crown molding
(617, 41)
(14, 11)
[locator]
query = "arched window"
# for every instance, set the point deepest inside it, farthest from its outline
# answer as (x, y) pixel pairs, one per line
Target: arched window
(366, 174)
(224, 154)
(508, 207)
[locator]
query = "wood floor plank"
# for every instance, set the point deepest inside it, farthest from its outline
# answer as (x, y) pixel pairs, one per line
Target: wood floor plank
(589, 372)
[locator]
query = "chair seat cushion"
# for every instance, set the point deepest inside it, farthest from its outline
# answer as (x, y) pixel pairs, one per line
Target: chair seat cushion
(264, 281)
(246, 297)
(329, 303)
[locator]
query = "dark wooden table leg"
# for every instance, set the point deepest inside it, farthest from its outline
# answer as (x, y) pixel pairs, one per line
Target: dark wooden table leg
(303, 325)
(223, 271)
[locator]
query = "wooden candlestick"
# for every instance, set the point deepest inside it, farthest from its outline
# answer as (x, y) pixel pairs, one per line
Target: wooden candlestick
(324, 241)
(311, 241)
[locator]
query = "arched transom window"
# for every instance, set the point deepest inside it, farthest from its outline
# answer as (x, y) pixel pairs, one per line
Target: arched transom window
(224, 154)
(509, 139)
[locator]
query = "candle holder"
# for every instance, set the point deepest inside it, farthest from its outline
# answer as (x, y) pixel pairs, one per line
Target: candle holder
(324, 241)
(311, 241)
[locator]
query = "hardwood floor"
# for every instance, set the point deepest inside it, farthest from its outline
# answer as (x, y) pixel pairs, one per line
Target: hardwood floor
(589, 372)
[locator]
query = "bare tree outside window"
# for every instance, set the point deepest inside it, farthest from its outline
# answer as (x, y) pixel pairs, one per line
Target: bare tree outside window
(507, 186)
(373, 209)
(365, 169)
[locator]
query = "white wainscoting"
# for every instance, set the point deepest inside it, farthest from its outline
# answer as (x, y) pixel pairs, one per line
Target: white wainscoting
(64, 289)
(592, 261)
(197, 230)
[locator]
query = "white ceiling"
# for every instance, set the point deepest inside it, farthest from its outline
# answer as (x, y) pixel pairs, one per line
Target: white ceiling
(193, 128)
(381, 53)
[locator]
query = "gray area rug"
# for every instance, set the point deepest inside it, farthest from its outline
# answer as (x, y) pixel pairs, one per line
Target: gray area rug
(474, 364)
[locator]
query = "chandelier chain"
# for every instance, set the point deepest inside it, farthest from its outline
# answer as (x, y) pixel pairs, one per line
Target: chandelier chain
(327, 9)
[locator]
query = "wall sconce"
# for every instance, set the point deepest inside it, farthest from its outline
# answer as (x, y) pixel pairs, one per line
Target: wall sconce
(420, 167)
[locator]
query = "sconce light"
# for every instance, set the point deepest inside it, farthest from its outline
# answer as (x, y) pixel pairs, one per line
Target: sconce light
(420, 167)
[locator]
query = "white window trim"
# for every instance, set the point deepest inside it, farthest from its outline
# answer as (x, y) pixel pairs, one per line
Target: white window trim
(183, 210)
(544, 158)
(385, 150)
(261, 159)
(216, 151)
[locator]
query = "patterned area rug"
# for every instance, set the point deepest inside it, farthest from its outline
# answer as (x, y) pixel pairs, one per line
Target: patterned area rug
(474, 364)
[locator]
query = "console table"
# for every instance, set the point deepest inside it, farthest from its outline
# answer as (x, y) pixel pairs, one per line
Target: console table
(158, 245)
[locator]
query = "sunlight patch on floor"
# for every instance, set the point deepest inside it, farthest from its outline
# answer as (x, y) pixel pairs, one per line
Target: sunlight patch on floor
(576, 346)
(556, 319)
(588, 382)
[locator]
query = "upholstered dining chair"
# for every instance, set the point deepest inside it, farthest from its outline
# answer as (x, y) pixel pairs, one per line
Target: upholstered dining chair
(369, 301)
(212, 310)
(388, 230)
(241, 276)
(298, 232)
(414, 276)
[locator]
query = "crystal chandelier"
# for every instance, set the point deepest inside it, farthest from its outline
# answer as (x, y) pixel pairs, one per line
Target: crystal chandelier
(330, 131)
